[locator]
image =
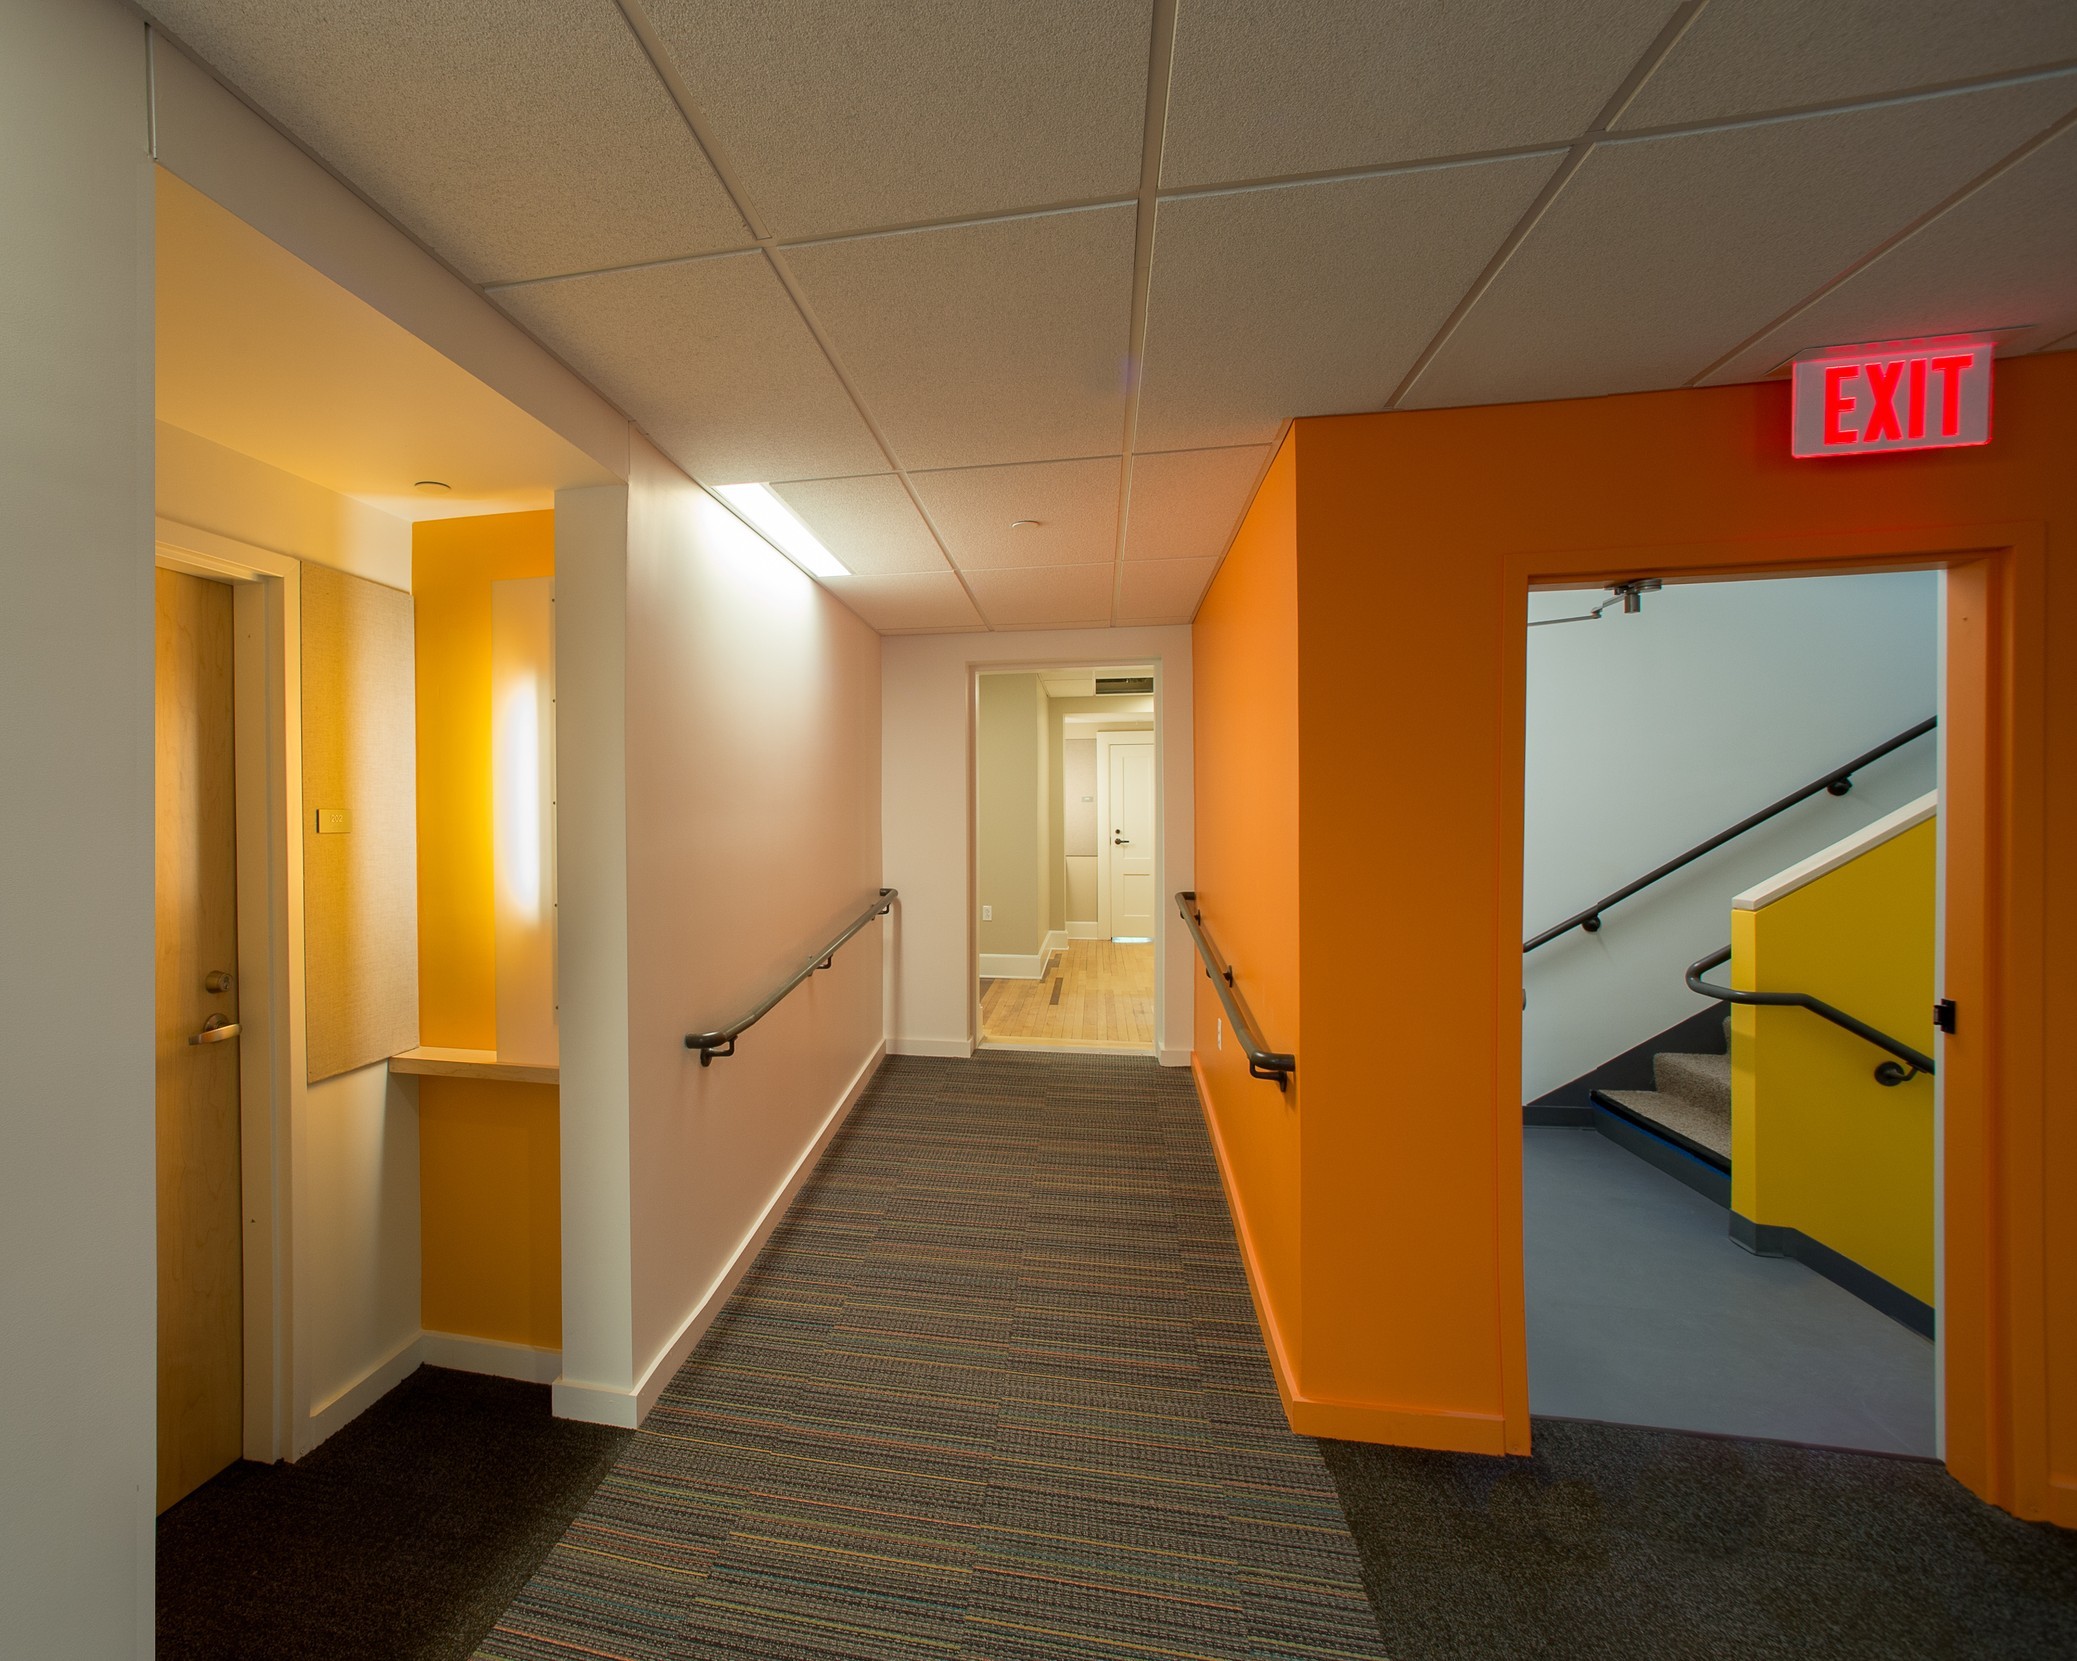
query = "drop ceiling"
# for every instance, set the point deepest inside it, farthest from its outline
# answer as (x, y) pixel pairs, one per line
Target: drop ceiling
(937, 267)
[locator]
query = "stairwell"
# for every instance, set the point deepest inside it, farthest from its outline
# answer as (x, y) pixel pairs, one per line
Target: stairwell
(1690, 1104)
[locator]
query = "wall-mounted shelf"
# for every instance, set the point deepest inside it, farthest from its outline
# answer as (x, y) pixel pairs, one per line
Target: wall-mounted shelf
(484, 1064)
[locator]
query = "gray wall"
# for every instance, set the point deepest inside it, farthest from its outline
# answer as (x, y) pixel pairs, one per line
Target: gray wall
(77, 1237)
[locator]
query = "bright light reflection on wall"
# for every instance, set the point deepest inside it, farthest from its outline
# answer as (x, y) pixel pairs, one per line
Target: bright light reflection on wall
(518, 794)
(522, 762)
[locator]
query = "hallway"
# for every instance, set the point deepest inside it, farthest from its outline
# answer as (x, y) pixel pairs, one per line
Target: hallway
(994, 1389)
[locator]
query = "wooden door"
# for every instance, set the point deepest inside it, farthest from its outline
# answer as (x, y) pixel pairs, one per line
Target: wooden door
(201, 1306)
(1129, 836)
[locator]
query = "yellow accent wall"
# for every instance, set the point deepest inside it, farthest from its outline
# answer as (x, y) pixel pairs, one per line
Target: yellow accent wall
(1816, 1143)
(489, 1152)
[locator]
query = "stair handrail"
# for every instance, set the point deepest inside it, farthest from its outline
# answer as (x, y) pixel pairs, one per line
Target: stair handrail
(722, 1041)
(1887, 1072)
(1838, 782)
(1263, 1062)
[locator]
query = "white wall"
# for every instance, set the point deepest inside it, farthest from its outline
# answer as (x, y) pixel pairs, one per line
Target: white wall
(77, 1237)
(1648, 734)
(927, 815)
(750, 703)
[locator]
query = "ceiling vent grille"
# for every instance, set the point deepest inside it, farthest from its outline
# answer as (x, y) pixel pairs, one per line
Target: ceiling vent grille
(1110, 686)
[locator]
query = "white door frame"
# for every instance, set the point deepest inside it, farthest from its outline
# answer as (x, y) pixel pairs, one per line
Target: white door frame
(267, 702)
(1105, 743)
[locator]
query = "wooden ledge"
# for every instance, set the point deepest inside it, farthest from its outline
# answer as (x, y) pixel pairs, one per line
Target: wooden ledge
(483, 1064)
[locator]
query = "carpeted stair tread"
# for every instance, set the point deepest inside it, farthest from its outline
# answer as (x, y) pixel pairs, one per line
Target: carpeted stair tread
(1702, 1123)
(1704, 1080)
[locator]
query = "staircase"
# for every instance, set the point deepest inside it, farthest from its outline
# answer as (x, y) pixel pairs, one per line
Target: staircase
(1690, 1105)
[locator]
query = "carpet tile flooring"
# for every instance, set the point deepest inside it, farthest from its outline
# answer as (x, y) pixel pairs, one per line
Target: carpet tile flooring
(994, 1391)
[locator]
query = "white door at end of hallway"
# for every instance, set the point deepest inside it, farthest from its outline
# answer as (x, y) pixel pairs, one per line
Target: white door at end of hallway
(201, 1303)
(1126, 835)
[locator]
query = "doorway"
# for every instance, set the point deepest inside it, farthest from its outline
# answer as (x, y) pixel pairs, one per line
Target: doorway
(1730, 1208)
(1066, 817)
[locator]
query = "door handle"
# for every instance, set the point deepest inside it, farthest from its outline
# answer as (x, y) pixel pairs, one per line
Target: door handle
(215, 1030)
(1120, 841)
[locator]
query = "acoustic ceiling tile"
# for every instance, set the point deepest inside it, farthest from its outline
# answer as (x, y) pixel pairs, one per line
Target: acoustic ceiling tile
(1163, 590)
(1268, 88)
(983, 343)
(868, 523)
(975, 509)
(1744, 57)
(1058, 597)
(1186, 503)
(712, 358)
(839, 116)
(1661, 254)
(1311, 299)
(912, 602)
(519, 139)
(2006, 255)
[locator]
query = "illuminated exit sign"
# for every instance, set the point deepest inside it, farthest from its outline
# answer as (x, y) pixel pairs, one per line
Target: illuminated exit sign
(1895, 395)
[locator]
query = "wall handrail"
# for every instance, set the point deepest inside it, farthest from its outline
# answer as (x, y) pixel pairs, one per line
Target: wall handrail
(1263, 1062)
(722, 1042)
(1888, 1072)
(1838, 782)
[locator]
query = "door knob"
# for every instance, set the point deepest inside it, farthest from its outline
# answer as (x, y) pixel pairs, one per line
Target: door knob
(215, 1030)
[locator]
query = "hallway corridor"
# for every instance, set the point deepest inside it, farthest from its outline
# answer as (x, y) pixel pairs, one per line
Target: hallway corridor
(995, 1389)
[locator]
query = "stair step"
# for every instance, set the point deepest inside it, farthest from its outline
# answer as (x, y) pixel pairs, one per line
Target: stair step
(1701, 1127)
(1704, 1080)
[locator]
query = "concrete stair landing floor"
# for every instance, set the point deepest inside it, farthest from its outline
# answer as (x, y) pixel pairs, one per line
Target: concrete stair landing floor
(1691, 1106)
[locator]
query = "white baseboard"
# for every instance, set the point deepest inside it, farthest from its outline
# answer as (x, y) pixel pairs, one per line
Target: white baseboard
(1169, 1057)
(1056, 941)
(490, 1355)
(1086, 931)
(1012, 965)
(606, 1405)
(344, 1406)
(944, 1049)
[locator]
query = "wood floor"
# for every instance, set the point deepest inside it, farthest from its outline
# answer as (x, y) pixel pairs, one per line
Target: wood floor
(1094, 995)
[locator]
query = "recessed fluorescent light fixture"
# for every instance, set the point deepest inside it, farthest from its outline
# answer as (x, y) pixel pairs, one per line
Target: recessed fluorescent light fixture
(782, 527)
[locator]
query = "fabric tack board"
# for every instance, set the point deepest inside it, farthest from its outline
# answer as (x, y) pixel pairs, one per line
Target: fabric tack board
(360, 871)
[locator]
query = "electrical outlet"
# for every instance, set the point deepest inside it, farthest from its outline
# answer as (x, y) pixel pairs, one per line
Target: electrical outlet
(988, 914)
(1219, 1031)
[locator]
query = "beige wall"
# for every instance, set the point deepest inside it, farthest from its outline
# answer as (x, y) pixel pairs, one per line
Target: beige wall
(1011, 820)
(749, 832)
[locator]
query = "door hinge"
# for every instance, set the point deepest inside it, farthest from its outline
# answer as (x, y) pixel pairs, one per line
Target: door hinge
(1943, 1015)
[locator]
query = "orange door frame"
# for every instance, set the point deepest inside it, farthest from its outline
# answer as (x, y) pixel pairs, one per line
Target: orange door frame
(1994, 1315)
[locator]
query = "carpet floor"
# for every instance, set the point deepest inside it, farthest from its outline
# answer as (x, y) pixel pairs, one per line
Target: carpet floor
(400, 1539)
(1620, 1544)
(994, 1390)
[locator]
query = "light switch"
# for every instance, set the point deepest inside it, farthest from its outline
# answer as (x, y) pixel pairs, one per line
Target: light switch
(334, 821)
(988, 914)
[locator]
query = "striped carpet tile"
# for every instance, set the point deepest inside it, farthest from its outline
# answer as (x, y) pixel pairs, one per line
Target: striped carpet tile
(993, 1391)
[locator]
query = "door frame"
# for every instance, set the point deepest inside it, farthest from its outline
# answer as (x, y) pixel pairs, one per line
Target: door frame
(267, 704)
(1991, 1127)
(1105, 743)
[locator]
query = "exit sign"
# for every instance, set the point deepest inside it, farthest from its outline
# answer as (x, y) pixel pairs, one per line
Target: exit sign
(1894, 395)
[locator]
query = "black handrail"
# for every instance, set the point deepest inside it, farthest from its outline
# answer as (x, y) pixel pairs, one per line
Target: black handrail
(1838, 782)
(1263, 1063)
(723, 1042)
(1888, 1072)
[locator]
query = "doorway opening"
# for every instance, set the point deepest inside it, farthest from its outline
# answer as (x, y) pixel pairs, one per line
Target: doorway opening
(1066, 816)
(1731, 891)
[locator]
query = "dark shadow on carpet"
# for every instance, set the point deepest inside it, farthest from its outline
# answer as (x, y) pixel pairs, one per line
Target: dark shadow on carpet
(402, 1538)
(1622, 1544)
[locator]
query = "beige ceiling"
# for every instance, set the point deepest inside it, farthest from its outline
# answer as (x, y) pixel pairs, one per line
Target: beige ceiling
(938, 266)
(259, 353)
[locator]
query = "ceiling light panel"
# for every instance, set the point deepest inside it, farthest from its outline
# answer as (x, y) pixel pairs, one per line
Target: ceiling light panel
(983, 343)
(1311, 299)
(2005, 255)
(870, 521)
(1662, 254)
(1074, 502)
(711, 356)
(912, 603)
(1750, 56)
(1186, 503)
(518, 142)
(1163, 590)
(838, 116)
(1061, 597)
(1266, 89)
(779, 525)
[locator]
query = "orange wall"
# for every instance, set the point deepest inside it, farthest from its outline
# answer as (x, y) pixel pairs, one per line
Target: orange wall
(490, 1218)
(1246, 757)
(1418, 535)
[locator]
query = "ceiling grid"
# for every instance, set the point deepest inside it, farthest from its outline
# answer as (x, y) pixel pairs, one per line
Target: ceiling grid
(932, 269)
